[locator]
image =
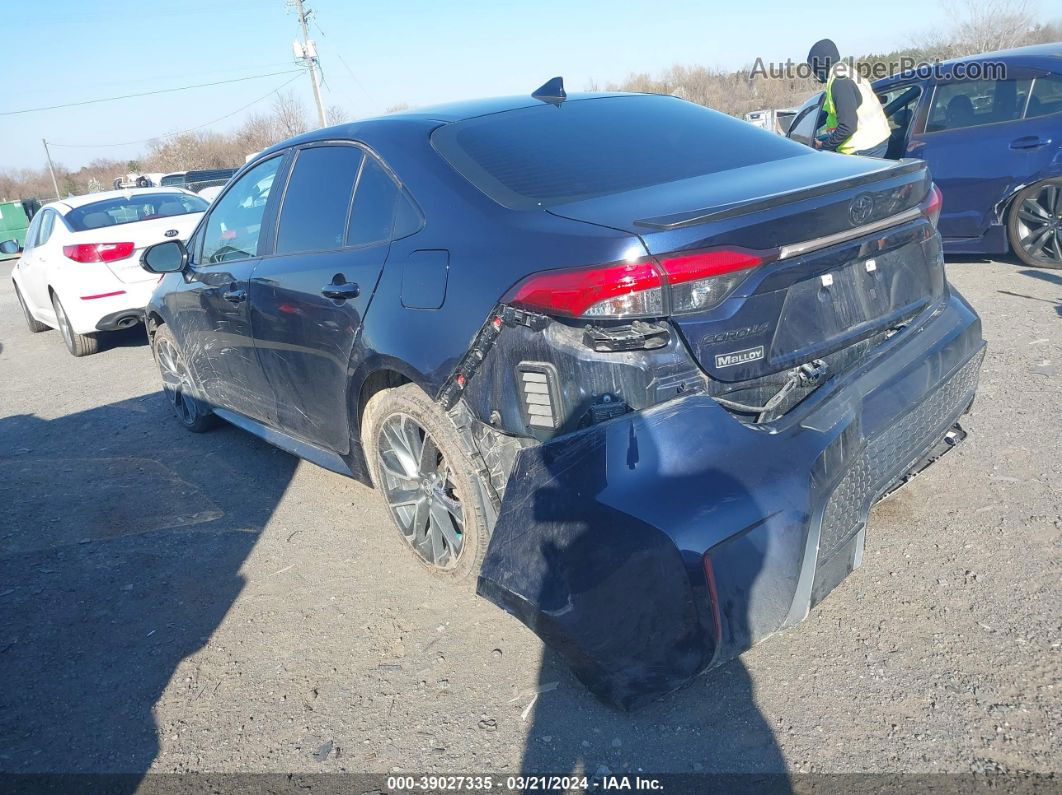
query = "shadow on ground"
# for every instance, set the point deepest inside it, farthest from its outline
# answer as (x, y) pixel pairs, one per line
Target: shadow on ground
(1051, 277)
(121, 542)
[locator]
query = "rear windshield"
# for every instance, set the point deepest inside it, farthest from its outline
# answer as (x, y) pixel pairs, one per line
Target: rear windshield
(172, 180)
(547, 155)
(127, 209)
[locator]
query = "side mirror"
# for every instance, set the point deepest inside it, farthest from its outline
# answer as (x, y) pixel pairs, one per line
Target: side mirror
(10, 247)
(168, 257)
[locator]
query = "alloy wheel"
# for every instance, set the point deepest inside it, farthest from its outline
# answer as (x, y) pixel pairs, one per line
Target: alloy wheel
(1040, 224)
(64, 324)
(419, 487)
(176, 381)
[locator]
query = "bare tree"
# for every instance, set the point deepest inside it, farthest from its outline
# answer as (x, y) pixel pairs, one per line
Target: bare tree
(398, 107)
(987, 25)
(334, 114)
(289, 114)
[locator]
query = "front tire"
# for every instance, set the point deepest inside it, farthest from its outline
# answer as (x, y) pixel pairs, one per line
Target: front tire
(77, 344)
(35, 326)
(177, 383)
(1034, 224)
(432, 491)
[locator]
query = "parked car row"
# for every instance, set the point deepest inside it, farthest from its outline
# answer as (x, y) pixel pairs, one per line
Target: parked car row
(636, 368)
(994, 147)
(195, 181)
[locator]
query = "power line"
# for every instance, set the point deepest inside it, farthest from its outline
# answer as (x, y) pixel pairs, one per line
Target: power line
(190, 129)
(143, 94)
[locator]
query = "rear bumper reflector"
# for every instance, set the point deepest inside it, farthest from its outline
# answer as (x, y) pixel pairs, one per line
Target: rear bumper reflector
(102, 295)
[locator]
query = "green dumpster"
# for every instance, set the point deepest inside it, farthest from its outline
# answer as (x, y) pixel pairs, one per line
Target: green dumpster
(15, 218)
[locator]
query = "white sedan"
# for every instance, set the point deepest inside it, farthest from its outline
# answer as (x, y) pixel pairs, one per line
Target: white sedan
(80, 269)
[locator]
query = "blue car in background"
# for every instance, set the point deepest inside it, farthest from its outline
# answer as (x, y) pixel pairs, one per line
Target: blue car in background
(993, 146)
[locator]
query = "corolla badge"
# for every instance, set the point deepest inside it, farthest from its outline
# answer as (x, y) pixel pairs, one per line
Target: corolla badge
(861, 209)
(170, 233)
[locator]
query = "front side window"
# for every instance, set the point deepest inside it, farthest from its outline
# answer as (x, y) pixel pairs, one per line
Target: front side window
(317, 199)
(47, 225)
(31, 233)
(972, 103)
(1046, 96)
(806, 122)
(235, 222)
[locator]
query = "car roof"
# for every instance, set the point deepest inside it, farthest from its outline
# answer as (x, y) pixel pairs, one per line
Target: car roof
(73, 202)
(431, 116)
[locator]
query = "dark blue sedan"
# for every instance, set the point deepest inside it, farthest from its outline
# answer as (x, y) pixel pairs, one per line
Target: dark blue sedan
(636, 368)
(993, 142)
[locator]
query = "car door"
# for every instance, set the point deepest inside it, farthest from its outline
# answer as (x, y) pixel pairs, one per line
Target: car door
(308, 299)
(212, 307)
(979, 148)
(807, 120)
(900, 103)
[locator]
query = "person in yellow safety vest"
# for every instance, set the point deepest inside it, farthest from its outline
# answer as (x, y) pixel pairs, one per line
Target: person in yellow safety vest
(855, 121)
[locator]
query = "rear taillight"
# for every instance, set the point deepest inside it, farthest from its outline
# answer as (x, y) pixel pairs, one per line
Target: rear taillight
(932, 203)
(618, 290)
(701, 280)
(98, 252)
(690, 281)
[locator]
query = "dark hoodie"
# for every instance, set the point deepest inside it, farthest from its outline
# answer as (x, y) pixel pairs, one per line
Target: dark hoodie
(846, 97)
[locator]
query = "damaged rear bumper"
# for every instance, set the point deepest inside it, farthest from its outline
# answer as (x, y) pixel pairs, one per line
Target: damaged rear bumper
(651, 547)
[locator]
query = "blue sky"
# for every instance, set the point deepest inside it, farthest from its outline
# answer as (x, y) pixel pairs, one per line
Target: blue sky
(374, 54)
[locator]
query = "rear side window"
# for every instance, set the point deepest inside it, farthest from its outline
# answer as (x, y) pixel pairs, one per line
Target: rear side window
(317, 199)
(972, 103)
(1046, 96)
(373, 213)
(132, 208)
(546, 155)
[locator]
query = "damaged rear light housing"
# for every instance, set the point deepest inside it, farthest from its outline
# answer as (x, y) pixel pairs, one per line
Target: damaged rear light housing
(677, 283)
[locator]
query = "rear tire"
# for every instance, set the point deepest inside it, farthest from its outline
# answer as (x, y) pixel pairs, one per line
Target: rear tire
(35, 326)
(77, 344)
(432, 491)
(177, 383)
(1034, 224)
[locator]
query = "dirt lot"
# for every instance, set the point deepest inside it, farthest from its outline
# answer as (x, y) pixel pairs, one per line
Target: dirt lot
(174, 602)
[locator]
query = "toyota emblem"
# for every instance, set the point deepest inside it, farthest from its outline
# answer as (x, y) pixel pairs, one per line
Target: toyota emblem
(861, 209)
(170, 233)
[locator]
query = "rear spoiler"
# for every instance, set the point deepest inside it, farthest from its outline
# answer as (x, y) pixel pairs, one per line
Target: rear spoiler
(694, 217)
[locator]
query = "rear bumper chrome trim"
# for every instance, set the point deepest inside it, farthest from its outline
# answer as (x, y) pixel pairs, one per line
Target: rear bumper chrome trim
(817, 243)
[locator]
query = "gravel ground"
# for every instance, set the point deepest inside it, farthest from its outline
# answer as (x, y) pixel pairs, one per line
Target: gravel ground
(179, 602)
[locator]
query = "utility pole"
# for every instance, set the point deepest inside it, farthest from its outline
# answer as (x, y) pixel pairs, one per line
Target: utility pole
(309, 57)
(51, 168)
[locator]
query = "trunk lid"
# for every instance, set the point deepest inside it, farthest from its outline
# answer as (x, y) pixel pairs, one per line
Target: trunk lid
(856, 256)
(141, 234)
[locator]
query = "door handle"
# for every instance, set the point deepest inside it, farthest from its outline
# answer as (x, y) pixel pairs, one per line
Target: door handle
(341, 292)
(234, 296)
(1029, 142)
